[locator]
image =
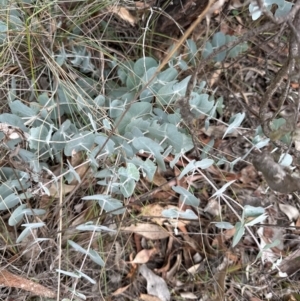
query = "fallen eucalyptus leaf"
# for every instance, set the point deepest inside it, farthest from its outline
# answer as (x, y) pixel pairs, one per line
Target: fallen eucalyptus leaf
(290, 211)
(147, 230)
(156, 286)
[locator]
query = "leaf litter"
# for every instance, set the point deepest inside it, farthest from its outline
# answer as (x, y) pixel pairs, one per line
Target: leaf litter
(159, 254)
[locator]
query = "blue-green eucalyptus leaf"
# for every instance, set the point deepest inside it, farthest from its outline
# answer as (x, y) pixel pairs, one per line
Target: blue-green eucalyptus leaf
(180, 88)
(208, 49)
(140, 109)
(86, 277)
(224, 225)
(13, 120)
(23, 235)
(71, 274)
(218, 39)
(73, 172)
(254, 11)
(38, 136)
(174, 213)
(3, 32)
(286, 160)
(283, 10)
(201, 104)
(257, 220)
(143, 64)
(183, 65)
(133, 81)
(127, 186)
(15, 22)
(89, 226)
(107, 203)
(130, 172)
(145, 144)
(234, 122)
(34, 225)
(193, 49)
(220, 191)
(77, 247)
(19, 109)
(96, 257)
(109, 147)
(186, 197)
(250, 211)
(80, 142)
(207, 149)
(30, 211)
(147, 76)
(104, 173)
(17, 215)
(165, 95)
(240, 231)
(168, 75)
(61, 57)
(203, 164)
(147, 96)
(99, 101)
(147, 167)
(9, 201)
(116, 108)
(259, 142)
(174, 137)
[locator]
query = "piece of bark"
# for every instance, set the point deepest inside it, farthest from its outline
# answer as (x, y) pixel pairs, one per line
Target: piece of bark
(291, 264)
(277, 176)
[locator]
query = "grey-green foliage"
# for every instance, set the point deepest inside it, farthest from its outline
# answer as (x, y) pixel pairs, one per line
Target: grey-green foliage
(145, 128)
(220, 39)
(283, 8)
(250, 217)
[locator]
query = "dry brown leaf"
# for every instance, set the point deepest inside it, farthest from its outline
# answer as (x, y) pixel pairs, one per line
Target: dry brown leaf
(54, 192)
(194, 269)
(155, 285)
(297, 224)
(188, 295)
(77, 158)
(248, 174)
(173, 271)
(213, 207)
(229, 233)
(290, 211)
(141, 5)
(217, 131)
(154, 210)
(121, 290)
(123, 13)
(10, 280)
(147, 230)
(146, 297)
(144, 255)
(265, 235)
(161, 181)
(12, 132)
(270, 234)
(220, 279)
(178, 223)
